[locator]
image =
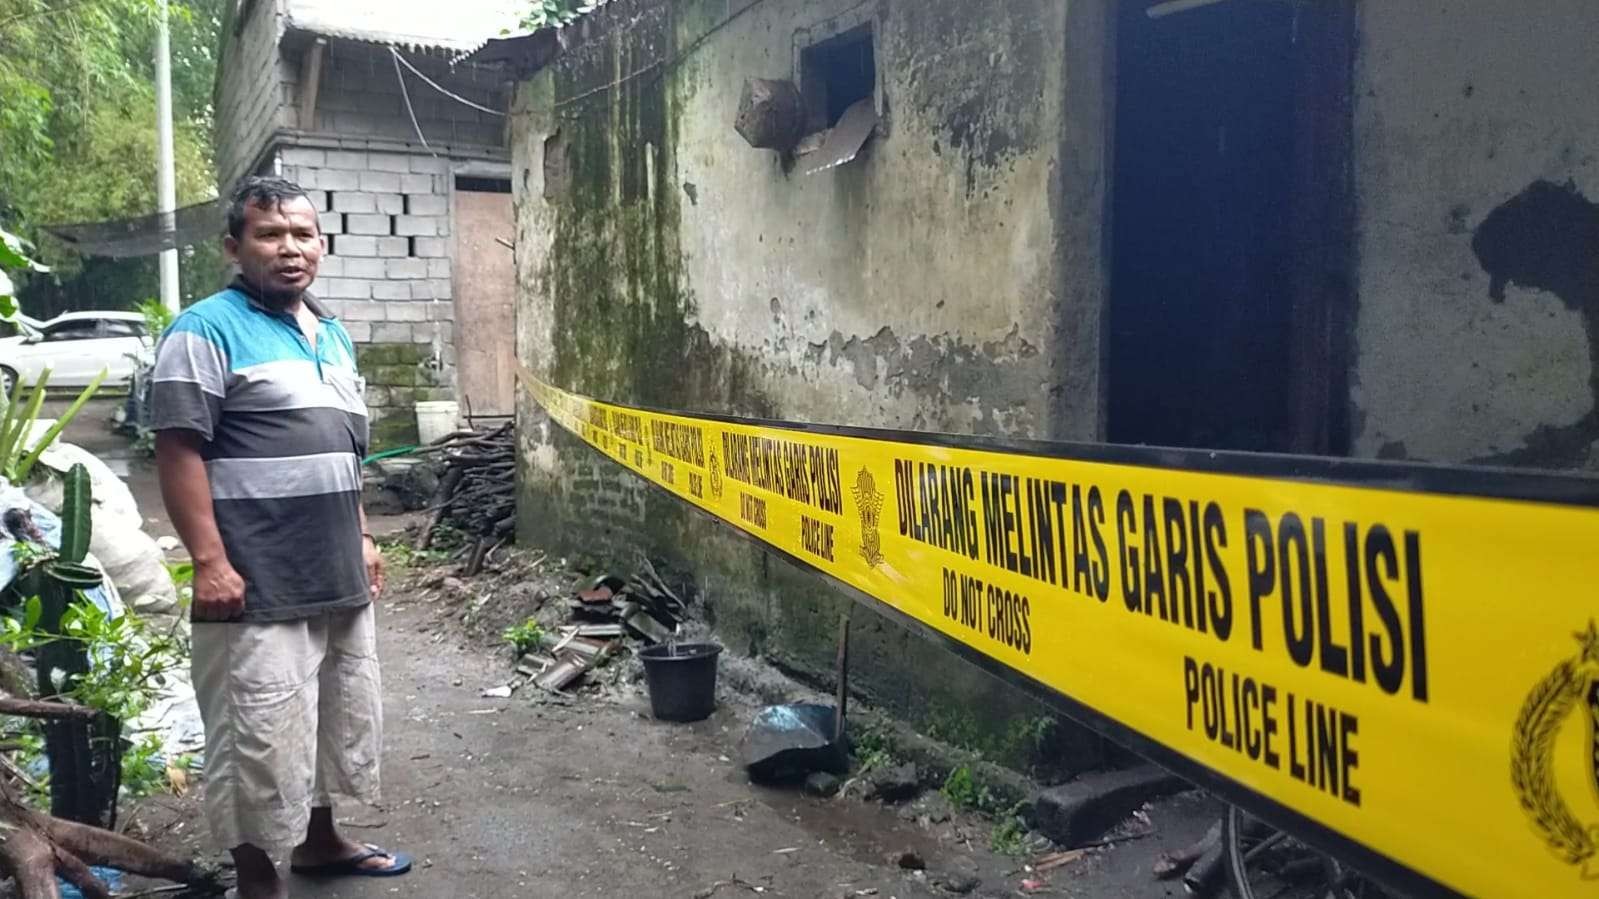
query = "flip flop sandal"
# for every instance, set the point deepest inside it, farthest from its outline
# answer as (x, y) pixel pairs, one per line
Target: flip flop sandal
(353, 867)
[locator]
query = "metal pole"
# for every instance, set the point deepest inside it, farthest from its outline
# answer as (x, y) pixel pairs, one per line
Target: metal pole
(166, 179)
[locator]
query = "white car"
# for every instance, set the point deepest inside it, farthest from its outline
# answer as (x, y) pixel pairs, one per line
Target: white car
(75, 346)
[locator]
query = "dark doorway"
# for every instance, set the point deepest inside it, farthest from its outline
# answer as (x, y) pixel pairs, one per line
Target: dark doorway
(1229, 227)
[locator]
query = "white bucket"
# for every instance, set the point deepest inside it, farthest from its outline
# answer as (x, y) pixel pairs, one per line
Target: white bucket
(436, 419)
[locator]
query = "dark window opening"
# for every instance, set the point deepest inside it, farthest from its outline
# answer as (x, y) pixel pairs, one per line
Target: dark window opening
(330, 238)
(1210, 311)
(483, 185)
(836, 74)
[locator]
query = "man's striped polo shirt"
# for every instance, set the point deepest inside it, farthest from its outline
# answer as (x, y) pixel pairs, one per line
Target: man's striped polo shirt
(285, 428)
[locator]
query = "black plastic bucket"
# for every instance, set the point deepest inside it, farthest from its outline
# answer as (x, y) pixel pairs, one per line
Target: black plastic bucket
(681, 679)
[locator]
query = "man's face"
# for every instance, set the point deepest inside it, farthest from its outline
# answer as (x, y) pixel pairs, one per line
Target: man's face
(279, 248)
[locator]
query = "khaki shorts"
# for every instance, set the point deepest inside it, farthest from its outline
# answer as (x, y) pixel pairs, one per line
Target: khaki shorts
(293, 719)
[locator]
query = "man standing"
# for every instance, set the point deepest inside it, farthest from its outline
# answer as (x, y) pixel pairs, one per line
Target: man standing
(261, 428)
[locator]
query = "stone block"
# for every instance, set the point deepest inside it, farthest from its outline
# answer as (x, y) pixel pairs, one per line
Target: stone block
(380, 182)
(347, 288)
(441, 288)
(355, 160)
(441, 311)
(416, 184)
(355, 201)
(391, 291)
(416, 225)
(304, 156)
(389, 162)
(407, 268)
(404, 355)
(439, 268)
(393, 375)
(429, 204)
(394, 431)
(406, 312)
(424, 332)
(431, 165)
(368, 224)
(349, 245)
(402, 396)
(330, 267)
(330, 179)
(360, 332)
(390, 204)
(362, 311)
(430, 247)
(363, 267)
(330, 223)
(394, 247)
(1075, 813)
(319, 199)
(396, 332)
(376, 394)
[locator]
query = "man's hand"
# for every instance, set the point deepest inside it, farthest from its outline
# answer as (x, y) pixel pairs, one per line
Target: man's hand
(218, 592)
(374, 564)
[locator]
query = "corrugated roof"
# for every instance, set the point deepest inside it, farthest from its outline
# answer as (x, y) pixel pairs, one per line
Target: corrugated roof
(458, 25)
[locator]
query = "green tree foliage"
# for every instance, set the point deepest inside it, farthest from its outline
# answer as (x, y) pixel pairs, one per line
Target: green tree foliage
(555, 13)
(77, 121)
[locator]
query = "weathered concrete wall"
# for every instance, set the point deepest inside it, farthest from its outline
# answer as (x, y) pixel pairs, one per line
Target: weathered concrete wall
(663, 261)
(249, 92)
(1476, 139)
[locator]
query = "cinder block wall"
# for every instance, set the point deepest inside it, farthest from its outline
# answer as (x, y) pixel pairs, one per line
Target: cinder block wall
(388, 273)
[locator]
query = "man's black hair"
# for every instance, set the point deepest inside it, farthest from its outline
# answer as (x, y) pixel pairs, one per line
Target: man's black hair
(262, 192)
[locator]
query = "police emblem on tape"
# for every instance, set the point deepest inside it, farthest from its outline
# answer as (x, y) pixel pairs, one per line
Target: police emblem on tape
(1572, 687)
(716, 476)
(869, 503)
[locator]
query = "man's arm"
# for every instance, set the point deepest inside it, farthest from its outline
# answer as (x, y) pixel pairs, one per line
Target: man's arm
(186, 490)
(372, 556)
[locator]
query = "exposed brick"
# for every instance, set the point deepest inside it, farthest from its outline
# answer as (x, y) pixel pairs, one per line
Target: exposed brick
(406, 312)
(319, 199)
(424, 332)
(442, 184)
(417, 184)
(347, 159)
(407, 268)
(360, 332)
(438, 268)
(395, 332)
(331, 222)
(390, 204)
(350, 245)
(429, 204)
(389, 162)
(376, 395)
(420, 226)
(368, 224)
(393, 247)
(432, 247)
(441, 289)
(423, 290)
(441, 311)
(432, 165)
(303, 156)
(381, 182)
(391, 290)
(331, 267)
(355, 201)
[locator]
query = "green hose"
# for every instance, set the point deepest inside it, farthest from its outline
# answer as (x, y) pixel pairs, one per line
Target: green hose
(389, 454)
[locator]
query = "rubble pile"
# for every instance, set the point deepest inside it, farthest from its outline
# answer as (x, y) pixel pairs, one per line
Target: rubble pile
(602, 612)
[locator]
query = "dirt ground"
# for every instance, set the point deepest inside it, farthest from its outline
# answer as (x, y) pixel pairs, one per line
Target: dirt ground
(589, 796)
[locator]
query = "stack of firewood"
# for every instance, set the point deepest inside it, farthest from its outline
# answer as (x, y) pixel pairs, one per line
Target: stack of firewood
(477, 489)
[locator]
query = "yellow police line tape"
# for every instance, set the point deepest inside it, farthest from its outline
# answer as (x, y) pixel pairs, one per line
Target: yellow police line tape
(1410, 679)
